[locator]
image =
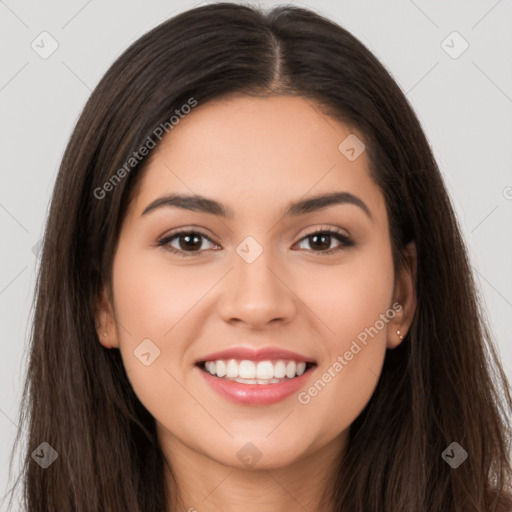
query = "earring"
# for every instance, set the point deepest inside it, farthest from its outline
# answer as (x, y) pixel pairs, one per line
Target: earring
(104, 335)
(399, 335)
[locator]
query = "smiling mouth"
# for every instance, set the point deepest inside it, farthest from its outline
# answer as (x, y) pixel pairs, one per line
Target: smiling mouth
(256, 372)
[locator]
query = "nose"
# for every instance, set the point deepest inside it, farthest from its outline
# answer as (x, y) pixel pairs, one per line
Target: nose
(257, 294)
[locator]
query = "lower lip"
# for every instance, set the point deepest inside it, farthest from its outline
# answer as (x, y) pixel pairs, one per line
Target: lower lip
(255, 394)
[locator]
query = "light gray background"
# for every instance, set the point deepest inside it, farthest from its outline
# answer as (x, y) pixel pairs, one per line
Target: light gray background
(464, 105)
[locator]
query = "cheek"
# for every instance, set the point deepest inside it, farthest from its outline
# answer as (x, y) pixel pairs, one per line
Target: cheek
(153, 295)
(354, 302)
(156, 319)
(350, 296)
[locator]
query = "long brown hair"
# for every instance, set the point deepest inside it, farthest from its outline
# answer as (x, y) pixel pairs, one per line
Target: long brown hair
(443, 384)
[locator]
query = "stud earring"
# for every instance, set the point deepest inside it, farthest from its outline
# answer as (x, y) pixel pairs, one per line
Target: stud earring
(399, 335)
(104, 335)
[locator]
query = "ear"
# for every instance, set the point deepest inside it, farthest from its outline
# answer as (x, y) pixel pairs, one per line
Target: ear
(405, 295)
(105, 321)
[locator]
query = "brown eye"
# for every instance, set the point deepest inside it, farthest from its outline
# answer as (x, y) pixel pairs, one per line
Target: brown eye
(320, 241)
(187, 242)
(191, 241)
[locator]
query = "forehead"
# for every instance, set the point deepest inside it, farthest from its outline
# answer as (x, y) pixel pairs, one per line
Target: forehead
(252, 153)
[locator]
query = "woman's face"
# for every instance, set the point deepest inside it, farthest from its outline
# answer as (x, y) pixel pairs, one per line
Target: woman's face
(260, 279)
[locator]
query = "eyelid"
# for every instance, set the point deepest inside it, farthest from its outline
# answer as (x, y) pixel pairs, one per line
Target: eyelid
(311, 230)
(184, 230)
(346, 241)
(164, 240)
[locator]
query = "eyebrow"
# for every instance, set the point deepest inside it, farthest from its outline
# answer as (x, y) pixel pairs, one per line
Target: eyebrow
(203, 204)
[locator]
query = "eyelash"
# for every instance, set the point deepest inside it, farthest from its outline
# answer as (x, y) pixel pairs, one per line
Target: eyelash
(346, 242)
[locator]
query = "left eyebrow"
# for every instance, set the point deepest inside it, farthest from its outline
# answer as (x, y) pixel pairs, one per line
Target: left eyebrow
(205, 205)
(324, 201)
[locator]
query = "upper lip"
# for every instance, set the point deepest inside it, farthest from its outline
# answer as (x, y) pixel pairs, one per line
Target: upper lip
(252, 354)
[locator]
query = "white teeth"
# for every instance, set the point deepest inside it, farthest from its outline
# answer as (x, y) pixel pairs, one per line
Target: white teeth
(246, 381)
(232, 369)
(279, 370)
(291, 369)
(251, 372)
(221, 368)
(247, 370)
(265, 370)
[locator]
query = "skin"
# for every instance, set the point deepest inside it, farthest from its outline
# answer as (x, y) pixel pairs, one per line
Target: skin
(255, 156)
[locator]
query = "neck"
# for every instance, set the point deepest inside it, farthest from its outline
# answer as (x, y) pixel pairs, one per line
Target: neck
(202, 484)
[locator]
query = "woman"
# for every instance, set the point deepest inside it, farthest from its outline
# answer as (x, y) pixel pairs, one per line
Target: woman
(254, 293)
